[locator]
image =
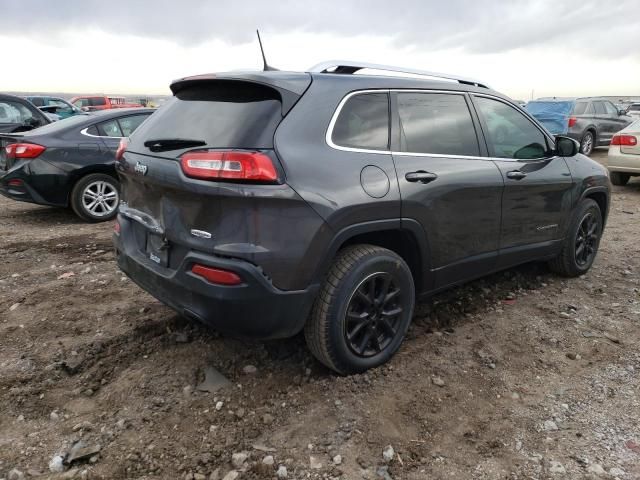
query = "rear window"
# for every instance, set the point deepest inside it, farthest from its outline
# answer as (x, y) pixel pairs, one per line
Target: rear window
(363, 122)
(223, 114)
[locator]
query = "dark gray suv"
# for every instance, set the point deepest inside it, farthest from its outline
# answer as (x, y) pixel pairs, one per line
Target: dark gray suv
(266, 203)
(590, 121)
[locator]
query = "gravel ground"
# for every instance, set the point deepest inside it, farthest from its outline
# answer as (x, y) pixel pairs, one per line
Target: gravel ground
(519, 375)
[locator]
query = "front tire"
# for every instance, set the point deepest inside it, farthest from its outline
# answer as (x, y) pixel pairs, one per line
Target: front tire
(581, 244)
(363, 310)
(587, 143)
(619, 179)
(95, 197)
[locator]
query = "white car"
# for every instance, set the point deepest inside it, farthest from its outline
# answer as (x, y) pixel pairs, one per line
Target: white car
(623, 160)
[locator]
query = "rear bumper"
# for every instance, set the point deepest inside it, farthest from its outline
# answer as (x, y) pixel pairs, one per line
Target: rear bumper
(254, 309)
(22, 193)
(622, 162)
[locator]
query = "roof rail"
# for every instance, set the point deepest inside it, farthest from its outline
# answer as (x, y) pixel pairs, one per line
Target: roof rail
(350, 67)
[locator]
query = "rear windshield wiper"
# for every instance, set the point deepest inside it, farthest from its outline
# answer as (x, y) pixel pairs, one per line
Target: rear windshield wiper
(166, 144)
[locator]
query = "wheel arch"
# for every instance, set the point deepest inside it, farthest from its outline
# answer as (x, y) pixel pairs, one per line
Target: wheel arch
(80, 173)
(601, 196)
(405, 237)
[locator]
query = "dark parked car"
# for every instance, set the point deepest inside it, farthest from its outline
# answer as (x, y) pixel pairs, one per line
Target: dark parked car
(55, 105)
(591, 121)
(270, 202)
(69, 163)
(19, 115)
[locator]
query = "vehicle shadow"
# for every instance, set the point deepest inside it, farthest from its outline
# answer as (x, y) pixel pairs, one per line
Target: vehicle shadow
(445, 311)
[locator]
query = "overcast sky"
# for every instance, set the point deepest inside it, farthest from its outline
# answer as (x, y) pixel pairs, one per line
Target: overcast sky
(519, 47)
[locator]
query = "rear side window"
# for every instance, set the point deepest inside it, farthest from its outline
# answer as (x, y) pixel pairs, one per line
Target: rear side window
(580, 108)
(129, 124)
(222, 114)
(97, 101)
(436, 123)
(599, 108)
(363, 122)
(109, 129)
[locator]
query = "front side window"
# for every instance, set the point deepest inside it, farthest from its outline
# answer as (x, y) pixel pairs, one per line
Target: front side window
(97, 101)
(363, 122)
(510, 134)
(81, 102)
(611, 110)
(436, 123)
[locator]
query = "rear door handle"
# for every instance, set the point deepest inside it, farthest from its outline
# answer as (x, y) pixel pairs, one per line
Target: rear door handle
(516, 175)
(420, 176)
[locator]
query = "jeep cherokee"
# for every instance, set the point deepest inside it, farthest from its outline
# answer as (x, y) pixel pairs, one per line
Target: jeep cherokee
(266, 203)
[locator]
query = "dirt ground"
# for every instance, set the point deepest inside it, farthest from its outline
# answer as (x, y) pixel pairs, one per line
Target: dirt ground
(519, 375)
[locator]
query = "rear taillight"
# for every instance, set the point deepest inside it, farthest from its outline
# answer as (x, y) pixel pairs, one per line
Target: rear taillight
(253, 166)
(23, 150)
(572, 121)
(16, 182)
(124, 143)
(624, 140)
(216, 275)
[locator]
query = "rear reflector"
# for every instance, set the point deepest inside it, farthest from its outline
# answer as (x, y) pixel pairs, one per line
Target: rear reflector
(253, 166)
(624, 140)
(116, 227)
(23, 150)
(572, 121)
(124, 143)
(216, 275)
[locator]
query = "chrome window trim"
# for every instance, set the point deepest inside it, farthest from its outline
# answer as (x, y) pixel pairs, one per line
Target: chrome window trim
(84, 132)
(334, 118)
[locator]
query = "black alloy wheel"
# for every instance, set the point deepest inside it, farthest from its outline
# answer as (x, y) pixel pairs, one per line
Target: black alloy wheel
(373, 314)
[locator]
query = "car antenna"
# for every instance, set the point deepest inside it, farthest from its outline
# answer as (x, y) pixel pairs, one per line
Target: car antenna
(266, 67)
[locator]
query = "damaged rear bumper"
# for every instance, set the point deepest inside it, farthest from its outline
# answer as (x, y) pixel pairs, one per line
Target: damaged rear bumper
(253, 309)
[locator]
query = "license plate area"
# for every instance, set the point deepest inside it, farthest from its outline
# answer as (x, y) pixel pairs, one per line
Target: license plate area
(157, 249)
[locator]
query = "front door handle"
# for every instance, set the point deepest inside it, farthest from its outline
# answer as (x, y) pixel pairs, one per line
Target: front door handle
(420, 176)
(516, 175)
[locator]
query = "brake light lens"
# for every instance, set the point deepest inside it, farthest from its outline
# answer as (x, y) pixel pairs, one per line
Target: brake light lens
(124, 143)
(572, 121)
(253, 166)
(16, 182)
(624, 140)
(216, 275)
(23, 150)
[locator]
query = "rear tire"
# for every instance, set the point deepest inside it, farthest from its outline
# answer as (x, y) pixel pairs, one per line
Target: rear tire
(362, 311)
(587, 143)
(581, 244)
(95, 197)
(619, 179)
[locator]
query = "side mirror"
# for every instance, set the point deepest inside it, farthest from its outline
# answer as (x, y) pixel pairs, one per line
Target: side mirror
(566, 146)
(622, 112)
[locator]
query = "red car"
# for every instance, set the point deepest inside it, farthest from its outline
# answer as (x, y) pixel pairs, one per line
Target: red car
(98, 102)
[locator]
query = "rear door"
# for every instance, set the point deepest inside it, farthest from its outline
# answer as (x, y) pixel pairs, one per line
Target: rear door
(537, 183)
(446, 184)
(603, 123)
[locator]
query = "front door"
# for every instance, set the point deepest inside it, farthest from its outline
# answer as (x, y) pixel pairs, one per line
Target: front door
(445, 183)
(537, 184)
